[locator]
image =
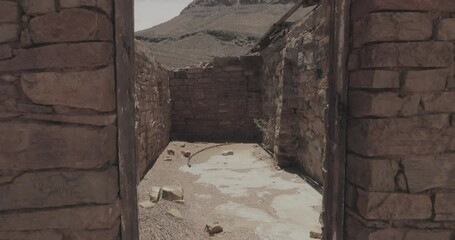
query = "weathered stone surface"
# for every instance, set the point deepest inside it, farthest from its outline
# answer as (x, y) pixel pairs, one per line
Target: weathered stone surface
(426, 80)
(9, 12)
(393, 206)
(31, 146)
(393, 26)
(8, 90)
(96, 120)
(375, 79)
(428, 172)
(104, 5)
(8, 77)
(446, 29)
(155, 195)
(77, 218)
(146, 204)
(172, 193)
(5, 51)
(409, 234)
(112, 234)
(413, 54)
(54, 189)
(175, 213)
(439, 102)
(411, 105)
(30, 108)
(71, 25)
(33, 7)
(9, 32)
(403, 136)
(40, 235)
(444, 206)
(362, 104)
(26, 40)
(91, 89)
(372, 174)
(60, 56)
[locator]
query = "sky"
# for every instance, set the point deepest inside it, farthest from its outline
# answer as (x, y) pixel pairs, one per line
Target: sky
(149, 13)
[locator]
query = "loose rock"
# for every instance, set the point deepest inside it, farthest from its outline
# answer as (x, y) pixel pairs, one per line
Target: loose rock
(175, 213)
(214, 228)
(186, 154)
(180, 202)
(155, 194)
(171, 152)
(182, 145)
(172, 193)
(315, 235)
(228, 153)
(146, 204)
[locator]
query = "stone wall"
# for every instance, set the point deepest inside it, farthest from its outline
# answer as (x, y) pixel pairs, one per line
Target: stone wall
(400, 162)
(58, 155)
(153, 108)
(217, 102)
(294, 77)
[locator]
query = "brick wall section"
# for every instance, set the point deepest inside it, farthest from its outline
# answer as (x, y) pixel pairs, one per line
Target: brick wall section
(294, 100)
(153, 108)
(58, 154)
(400, 162)
(217, 102)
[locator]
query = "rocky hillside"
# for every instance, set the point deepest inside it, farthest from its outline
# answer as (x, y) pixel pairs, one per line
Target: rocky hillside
(208, 28)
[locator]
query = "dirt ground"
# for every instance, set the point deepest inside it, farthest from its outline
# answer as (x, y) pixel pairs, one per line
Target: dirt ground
(243, 192)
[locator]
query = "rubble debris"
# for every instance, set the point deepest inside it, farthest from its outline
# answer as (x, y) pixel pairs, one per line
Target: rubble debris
(315, 235)
(146, 204)
(155, 194)
(171, 152)
(214, 228)
(172, 193)
(227, 153)
(175, 213)
(179, 201)
(182, 145)
(186, 154)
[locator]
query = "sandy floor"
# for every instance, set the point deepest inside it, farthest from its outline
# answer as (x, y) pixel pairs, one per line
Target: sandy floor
(243, 192)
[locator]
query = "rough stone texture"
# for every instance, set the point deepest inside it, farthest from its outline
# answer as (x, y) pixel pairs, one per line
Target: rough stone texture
(33, 7)
(363, 104)
(5, 51)
(104, 5)
(374, 79)
(218, 102)
(439, 102)
(60, 56)
(9, 12)
(89, 89)
(427, 80)
(71, 25)
(9, 33)
(32, 146)
(444, 207)
(53, 189)
(95, 120)
(446, 29)
(153, 108)
(393, 206)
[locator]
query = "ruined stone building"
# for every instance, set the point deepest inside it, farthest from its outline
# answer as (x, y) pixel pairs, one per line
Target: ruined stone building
(358, 95)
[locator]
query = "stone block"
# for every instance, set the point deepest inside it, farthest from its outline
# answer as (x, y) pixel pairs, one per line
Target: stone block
(393, 26)
(224, 61)
(429, 172)
(90, 89)
(439, 102)
(411, 54)
(374, 79)
(444, 207)
(33, 7)
(9, 32)
(32, 146)
(363, 104)
(61, 56)
(5, 51)
(104, 5)
(95, 120)
(404, 136)
(75, 218)
(372, 174)
(426, 80)
(44, 235)
(393, 206)
(9, 12)
(446, 30)
(71, 25)
(55, 189)
(8, 90)
(409, 234)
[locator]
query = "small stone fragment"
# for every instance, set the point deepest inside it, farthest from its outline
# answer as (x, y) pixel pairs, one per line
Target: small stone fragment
(180, 202)
(168, 159)
(146, 204)
(214, 228)
(172, 193)
(182, 145)
(227, 153)
(171, 152)
(155, 194)
(315, 235)
(175, 213)
(186, 154)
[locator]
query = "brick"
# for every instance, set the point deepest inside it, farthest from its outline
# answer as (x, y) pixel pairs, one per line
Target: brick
(439, 102)
(372, 174)
(363, 104)
(446, 30)
(54, 189)
(33, 7)
(385, 27)
(445, 207)
(91, 89)
(393, 206)
(104, 5)
(71, 25)
(5, 51)
(420, 172)
(411, 105)
(32, 146)
(426, 80)
(9, 33)
(61, 56)
(413, 54)
(374, 79)
(404, 136)
(95, 120)
(76, 218)
(9, 12)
